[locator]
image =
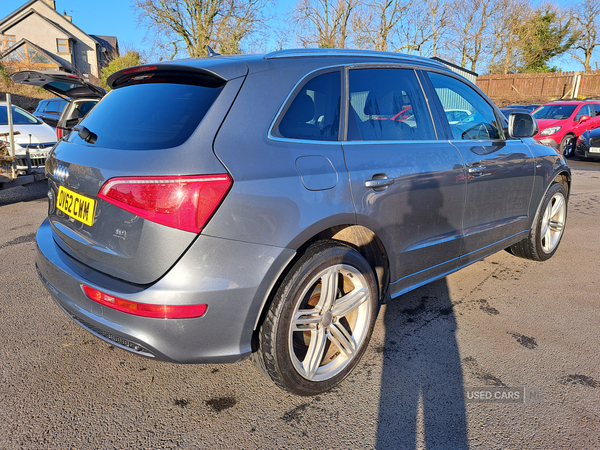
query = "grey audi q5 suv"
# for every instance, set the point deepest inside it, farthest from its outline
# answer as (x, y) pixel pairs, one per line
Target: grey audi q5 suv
(211, 209)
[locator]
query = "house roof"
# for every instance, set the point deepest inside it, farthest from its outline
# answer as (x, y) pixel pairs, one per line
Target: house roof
(109, 42)
(14, 18)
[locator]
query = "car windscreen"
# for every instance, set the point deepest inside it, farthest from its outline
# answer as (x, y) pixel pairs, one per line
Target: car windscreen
(148, 116)
(20, 117)
(557, 112)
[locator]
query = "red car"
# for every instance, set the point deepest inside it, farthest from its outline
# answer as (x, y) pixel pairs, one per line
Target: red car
(562, 122)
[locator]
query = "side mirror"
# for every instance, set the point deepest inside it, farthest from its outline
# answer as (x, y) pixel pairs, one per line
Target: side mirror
(584, 118)
(521, 125)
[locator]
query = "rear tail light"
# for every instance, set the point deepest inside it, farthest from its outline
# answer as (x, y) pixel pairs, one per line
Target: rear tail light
(144, 309)
(186, 202)
(59, 133)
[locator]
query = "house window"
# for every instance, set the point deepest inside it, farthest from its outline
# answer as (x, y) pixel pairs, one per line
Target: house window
(62, 45)
(9, 41)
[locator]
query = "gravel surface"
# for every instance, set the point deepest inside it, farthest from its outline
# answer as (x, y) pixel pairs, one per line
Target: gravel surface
(503, 325)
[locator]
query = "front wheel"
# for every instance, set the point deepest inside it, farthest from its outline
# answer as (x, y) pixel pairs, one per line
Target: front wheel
(567, 146)
(320, 321)
(547, 228)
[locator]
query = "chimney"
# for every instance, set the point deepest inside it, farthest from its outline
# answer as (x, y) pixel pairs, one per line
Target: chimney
(50, 3)
(69, 18)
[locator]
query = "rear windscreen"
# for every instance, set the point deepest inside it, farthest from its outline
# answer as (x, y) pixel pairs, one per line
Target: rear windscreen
(148, 116)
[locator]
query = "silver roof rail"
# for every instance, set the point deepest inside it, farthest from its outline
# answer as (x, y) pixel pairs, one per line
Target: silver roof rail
(329, 52)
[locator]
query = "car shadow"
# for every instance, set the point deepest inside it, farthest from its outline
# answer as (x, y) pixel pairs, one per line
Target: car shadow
(421, 403)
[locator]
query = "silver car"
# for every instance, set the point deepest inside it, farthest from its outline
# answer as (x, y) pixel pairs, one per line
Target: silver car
(211, 209)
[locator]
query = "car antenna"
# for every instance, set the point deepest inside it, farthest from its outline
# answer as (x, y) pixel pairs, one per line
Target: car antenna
(211, 52)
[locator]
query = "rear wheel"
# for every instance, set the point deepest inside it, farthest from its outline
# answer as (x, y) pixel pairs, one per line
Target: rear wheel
(547, 228)
(320, 321)
(567, 145)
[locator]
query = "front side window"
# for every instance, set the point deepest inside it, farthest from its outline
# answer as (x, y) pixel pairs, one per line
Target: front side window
(387, 104)
(585, 110)
(314, 114)
(469, 116)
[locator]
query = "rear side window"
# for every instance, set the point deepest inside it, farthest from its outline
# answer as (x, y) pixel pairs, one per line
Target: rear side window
(148, 116)
(387, 104)
(314, 114)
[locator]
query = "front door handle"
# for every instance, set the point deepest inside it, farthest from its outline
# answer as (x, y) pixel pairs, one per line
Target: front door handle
(379, 183)
(476, 170)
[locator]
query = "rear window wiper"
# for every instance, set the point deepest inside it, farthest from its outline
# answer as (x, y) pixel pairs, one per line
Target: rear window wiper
(88, 136)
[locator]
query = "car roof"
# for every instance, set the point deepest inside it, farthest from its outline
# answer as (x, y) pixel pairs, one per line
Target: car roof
(227, 67)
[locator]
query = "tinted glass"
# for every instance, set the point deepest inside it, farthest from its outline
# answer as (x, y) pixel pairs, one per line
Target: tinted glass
(596, 109)
(20, 117)
(84, 108)
(148, 116)
(387, 104)
(314, 114)
(53, 106)
(469, 116)
(557, 112)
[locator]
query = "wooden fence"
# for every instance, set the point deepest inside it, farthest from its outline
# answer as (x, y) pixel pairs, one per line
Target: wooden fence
(551, 85)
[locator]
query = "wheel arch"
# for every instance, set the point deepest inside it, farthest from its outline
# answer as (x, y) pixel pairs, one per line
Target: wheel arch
(362, 239)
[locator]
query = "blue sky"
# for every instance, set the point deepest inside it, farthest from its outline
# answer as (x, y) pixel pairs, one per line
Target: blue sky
(118, 18)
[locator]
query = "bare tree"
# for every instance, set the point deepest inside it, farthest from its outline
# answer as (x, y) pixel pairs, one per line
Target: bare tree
(439, 18)
(324, 23)
(470, 24)
(586, 17)
(506, 49)
(374, 23)
(196, 24)
(415, 30)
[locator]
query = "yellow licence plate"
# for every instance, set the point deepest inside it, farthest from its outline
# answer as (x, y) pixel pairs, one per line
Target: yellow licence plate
(76, 206)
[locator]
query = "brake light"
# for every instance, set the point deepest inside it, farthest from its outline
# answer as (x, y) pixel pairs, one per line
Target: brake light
(59, 132)
(144, 309)
(139, 69)
(183, 202)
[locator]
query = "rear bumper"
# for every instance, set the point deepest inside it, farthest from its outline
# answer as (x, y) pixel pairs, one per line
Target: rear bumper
(233, 278)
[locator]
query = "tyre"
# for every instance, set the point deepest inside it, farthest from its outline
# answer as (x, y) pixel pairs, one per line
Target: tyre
(320, 321)
(547, 228)
(567, 145)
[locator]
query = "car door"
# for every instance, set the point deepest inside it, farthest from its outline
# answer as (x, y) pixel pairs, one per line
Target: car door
(407, 185)
(499, 171)
(581, 127)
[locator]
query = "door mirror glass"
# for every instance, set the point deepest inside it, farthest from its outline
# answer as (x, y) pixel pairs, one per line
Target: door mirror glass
(521, 125)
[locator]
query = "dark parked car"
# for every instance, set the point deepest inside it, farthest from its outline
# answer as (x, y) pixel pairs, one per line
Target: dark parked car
(588, 145)
(507, 110)
(529, 107)
(50, 110)
(77, 97)
(184, 229)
